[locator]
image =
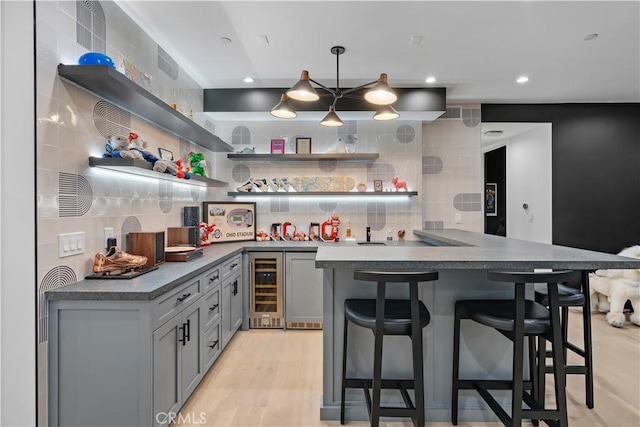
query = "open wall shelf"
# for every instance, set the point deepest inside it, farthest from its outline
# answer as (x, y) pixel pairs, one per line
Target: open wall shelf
(115, 87)
(144, 168)
(323, 194)
(355, 157)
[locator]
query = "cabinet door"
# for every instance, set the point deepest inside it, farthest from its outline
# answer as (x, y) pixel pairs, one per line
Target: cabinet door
(191, 349)
(212, 345)
(211, 308)
(225, 312)
(236, 303)
(303, 291)
(167, 394)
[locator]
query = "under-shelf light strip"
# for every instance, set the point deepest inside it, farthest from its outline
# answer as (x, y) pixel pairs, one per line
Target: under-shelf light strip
(354, 197)
(141, 177)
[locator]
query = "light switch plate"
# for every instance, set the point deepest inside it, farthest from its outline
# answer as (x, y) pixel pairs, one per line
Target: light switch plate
(70, 244)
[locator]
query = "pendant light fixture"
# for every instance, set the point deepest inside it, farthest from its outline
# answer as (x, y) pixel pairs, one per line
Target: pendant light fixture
(380, 94)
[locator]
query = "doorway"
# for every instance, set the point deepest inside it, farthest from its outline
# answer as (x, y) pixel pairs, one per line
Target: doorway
(517, 158)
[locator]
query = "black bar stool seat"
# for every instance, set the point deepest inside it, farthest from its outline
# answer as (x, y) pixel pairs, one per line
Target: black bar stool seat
(567, 296)
(397, 315)
(498, 314)
(404, 317)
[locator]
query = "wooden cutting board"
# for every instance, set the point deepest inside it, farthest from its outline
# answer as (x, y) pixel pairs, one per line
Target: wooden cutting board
(176, 249)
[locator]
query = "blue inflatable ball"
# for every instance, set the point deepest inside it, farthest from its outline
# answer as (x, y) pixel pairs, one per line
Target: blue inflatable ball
(96, 58)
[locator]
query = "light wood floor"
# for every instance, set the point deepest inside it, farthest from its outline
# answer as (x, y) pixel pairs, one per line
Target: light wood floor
(274, 378)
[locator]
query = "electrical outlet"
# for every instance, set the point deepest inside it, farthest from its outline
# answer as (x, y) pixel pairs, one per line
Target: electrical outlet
(458, 217)
(108, 233)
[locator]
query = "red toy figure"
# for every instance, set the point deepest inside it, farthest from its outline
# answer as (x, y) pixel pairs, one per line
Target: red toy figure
(205, 230)
(334, 224)
(180, 173)
(399, 184)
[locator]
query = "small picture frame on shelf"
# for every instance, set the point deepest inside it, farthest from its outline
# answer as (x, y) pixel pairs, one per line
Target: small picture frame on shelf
(277, 146)
(303, 145)
(377, 185)
(165, 154)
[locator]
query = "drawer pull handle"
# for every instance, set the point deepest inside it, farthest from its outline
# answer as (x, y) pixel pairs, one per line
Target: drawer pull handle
(183, 340)
(184, 297)
(213, 307)
(234, 265)
(188, 330)
(213, 278)
(214, 344)
(235, 288)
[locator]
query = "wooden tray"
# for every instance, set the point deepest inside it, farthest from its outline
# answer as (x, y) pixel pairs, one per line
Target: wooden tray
(178, 249)
(183, 256)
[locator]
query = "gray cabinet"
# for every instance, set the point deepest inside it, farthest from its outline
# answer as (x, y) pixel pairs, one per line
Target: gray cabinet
(303, 291)
(132, 362)
(231, 314)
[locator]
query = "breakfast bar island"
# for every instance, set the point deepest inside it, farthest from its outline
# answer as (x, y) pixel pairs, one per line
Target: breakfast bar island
(462, 259)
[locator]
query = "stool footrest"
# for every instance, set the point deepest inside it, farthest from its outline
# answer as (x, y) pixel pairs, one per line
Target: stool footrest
(492, 384)
(386, 383)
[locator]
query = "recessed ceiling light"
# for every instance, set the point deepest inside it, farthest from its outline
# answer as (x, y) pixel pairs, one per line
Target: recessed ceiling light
(248, 80)
(225, 40)
(589, 37)
(523, 79)
(262, 39)
(431, 80)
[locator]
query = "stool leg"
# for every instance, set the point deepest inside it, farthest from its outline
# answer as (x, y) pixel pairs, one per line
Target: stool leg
(586, 330)
(533, 371)
(542, 364)
(564, 320)
(557, 348)
(518, 353)
(456, 369)
(344, 369)
(377, 357)
(416, 347)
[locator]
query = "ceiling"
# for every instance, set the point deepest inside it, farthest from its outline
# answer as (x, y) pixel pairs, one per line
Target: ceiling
(476, 49)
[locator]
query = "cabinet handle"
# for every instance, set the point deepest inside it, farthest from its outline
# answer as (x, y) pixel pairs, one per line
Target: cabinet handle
(183, 340)
(234, 265)
(184, 297)
(235, 288)
(213, 278)
(188, 330)
(215, 343)
(213, 307)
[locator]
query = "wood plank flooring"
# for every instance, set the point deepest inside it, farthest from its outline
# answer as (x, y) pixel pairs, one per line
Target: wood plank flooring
(274, 378)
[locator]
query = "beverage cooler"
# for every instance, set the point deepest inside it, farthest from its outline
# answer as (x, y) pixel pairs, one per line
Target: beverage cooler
(266, 278)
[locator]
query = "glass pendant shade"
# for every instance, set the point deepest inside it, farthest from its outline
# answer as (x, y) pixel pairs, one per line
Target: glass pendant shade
(386, 112)
(303, 91)
(283, 110)
(331, 119)
(381, 93)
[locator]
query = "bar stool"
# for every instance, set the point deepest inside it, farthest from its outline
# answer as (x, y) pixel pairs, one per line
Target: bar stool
(572, 294)
(389, 317)
(517, 319)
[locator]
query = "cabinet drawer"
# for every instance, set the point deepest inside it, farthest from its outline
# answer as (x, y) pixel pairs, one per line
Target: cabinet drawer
(211, 278)
(168, 305)
(231, 266)
(212, 345)
(211, 307)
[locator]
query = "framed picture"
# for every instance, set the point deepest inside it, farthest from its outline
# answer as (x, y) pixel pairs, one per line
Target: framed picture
(303, 145)
(277, 146)
(165, 154)
(230, 221)
(377, 185)
(491, 199)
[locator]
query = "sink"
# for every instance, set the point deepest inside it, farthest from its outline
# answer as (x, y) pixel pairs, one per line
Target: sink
(373, 243)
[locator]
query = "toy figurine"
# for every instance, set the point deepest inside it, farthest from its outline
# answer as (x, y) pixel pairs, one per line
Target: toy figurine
(262, 235)
(205, 230)
(334, 224)
(399, 184)
(288, 231)
(400, 234)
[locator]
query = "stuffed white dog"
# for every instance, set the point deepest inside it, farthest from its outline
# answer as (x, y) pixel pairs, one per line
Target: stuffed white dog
(610, 290)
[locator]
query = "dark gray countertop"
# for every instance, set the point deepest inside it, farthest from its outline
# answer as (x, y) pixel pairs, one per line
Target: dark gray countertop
(169, 274)
(458, 249)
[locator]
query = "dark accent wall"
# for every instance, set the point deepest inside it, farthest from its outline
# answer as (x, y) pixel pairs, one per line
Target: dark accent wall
(595, 170)
(495, 170)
